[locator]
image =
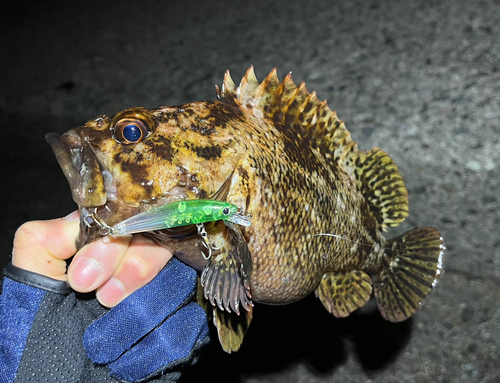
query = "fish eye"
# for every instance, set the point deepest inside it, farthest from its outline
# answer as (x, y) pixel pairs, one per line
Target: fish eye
(132, 133)
(225, 211)
(130, 130)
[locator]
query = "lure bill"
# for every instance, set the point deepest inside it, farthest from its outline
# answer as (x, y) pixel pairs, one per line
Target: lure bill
(181, 213)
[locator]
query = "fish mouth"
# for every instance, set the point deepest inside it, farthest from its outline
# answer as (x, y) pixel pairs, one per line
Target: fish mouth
(80, 167)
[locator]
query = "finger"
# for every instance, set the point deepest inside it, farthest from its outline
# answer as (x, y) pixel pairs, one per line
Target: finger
(142, 262)
(43, 246)
(96, 262)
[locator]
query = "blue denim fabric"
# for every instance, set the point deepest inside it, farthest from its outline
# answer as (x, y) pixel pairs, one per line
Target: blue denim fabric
(153, 327)
(19, 304)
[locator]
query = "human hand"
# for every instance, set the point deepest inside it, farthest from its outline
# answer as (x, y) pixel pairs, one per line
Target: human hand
(114, 266)
(150, 334)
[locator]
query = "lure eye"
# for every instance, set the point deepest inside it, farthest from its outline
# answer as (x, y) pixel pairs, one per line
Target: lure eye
(130, 130)
(225, 211)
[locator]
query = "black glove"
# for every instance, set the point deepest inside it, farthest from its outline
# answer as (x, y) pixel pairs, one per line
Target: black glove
(151, 334)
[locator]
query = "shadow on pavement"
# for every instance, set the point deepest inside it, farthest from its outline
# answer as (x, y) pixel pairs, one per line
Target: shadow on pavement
(279, 337)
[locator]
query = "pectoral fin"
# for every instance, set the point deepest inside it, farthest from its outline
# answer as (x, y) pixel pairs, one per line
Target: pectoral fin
(226, 278)
(343, 292)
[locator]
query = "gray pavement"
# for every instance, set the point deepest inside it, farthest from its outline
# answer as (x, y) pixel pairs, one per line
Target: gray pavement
(419, 79)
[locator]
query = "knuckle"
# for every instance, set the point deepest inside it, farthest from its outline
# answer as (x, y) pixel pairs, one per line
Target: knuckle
(30, 234)
(141, 264)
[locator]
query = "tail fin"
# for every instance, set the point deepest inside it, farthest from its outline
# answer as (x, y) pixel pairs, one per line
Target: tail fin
(414, 264)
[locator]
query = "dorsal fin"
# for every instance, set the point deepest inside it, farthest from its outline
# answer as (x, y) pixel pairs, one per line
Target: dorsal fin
(299, 114)
(295, 112)
(383, 187)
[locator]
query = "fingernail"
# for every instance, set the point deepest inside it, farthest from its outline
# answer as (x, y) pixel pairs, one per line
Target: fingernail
(111, 293)
(85, 273)
(73, 216)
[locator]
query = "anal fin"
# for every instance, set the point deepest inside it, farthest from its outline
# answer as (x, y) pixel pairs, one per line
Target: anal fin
(343, 292)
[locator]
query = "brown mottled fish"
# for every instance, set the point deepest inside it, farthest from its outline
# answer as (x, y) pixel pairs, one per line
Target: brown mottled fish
(318, 204)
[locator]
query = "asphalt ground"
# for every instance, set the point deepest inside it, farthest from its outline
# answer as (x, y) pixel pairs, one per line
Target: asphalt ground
(420, 79)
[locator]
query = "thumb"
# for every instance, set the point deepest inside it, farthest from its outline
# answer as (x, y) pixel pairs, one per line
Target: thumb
(43, 246)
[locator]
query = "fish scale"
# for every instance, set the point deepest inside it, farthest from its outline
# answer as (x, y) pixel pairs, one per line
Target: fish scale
(319, 206)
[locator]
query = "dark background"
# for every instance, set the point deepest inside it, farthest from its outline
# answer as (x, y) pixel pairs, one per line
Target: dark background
(419, 78)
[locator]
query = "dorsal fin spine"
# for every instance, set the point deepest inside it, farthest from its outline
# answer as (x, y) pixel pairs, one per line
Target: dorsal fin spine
(308, 113)
(285, 98)
(267, 87)
(228, 85)
(300, 115)
(296, 112)
(248, 86)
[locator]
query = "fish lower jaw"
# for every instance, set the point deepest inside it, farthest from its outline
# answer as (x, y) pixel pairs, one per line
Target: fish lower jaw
(80, 167)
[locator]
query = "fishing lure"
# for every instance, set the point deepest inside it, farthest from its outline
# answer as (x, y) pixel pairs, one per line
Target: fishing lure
(180, 213)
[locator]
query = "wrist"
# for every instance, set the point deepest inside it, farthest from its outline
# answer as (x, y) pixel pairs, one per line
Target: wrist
(39, 281)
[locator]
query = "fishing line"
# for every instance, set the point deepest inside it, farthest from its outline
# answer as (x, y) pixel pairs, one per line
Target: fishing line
(397, 252)
(366, 244)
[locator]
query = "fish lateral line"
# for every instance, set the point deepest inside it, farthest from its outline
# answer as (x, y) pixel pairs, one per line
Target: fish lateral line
(340, 237)
(359, 243)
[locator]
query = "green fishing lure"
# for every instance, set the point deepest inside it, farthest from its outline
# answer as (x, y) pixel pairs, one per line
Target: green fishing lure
(180, 213)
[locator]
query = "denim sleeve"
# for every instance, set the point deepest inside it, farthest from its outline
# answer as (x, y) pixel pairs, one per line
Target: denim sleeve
(19, 304)
(42, 323)
(41, 327)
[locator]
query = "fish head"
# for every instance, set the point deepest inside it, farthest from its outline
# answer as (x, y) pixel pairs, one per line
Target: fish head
(140, 158)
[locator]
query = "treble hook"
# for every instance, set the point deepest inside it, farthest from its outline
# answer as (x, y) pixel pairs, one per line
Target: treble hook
(203, 234)
(104, 228)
